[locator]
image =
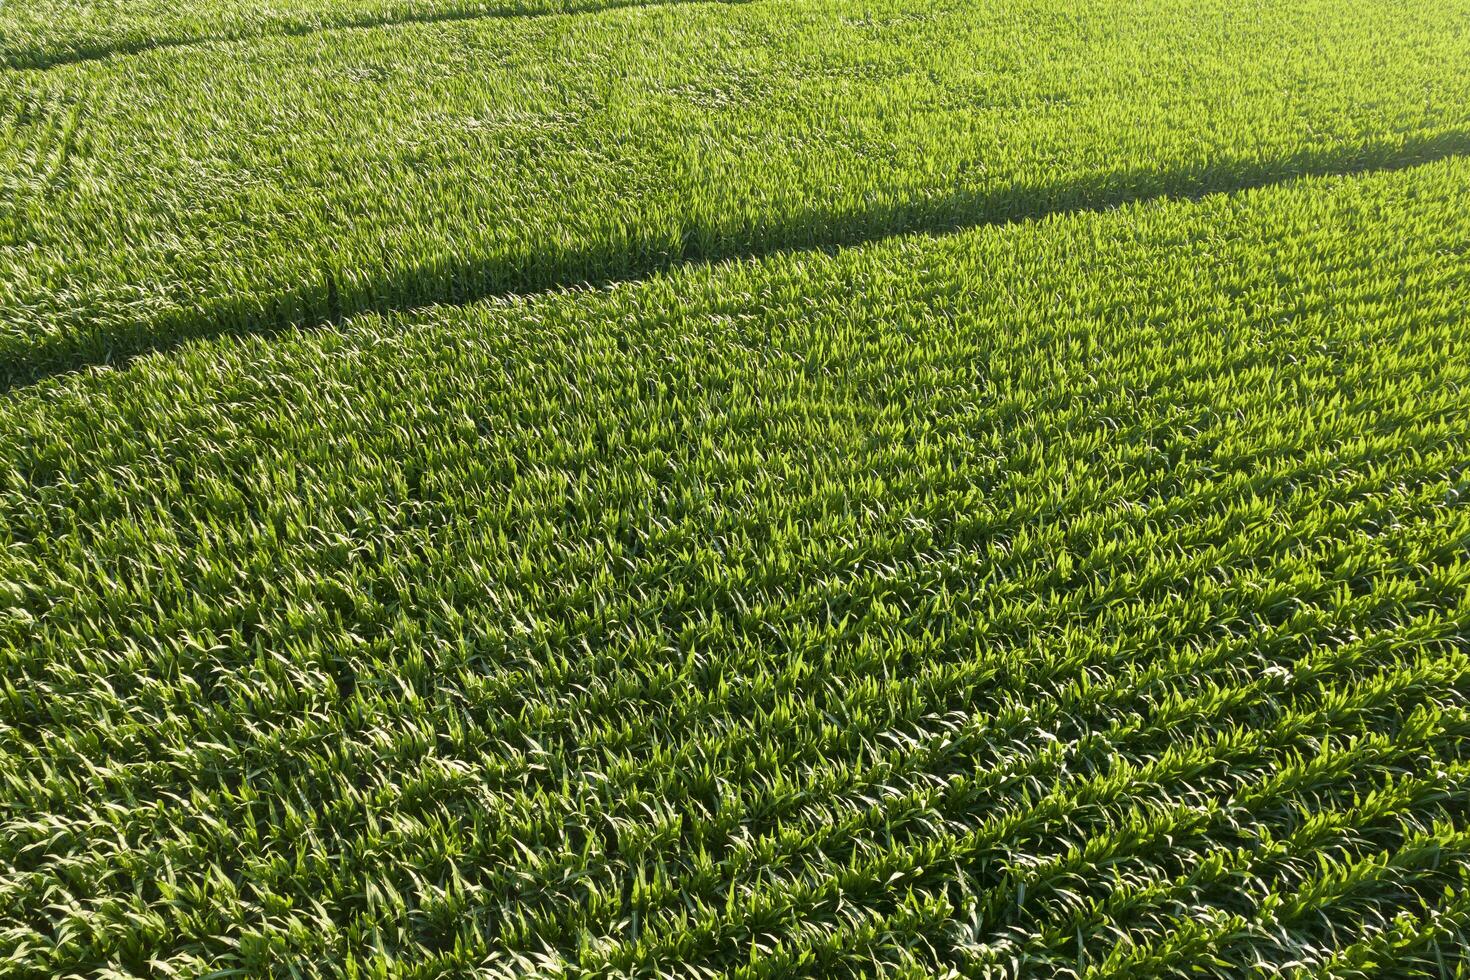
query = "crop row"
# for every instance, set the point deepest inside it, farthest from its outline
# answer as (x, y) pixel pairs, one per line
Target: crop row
(300, 180)
(1079, 596)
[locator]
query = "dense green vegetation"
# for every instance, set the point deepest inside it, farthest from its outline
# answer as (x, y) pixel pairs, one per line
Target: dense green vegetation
(46, 33)
(759, 490)
(303, 179)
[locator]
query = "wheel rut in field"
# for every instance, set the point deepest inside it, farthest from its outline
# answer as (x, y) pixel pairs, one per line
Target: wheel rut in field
(405, 290)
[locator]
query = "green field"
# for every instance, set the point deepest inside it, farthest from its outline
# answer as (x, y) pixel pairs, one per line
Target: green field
(757, 489)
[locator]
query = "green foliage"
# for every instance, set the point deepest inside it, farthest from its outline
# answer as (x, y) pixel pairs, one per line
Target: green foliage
(46, 33)
(1035, 588)
(298, 180)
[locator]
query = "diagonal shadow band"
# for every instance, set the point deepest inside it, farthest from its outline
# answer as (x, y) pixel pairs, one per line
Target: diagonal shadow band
(43, 59)
(464, 280)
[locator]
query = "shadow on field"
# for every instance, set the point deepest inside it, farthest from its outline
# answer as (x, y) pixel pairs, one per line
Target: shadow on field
(404, 289)
(82, 52)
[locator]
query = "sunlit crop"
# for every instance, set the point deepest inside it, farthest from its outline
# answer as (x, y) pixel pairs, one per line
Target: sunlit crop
(767, 489)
